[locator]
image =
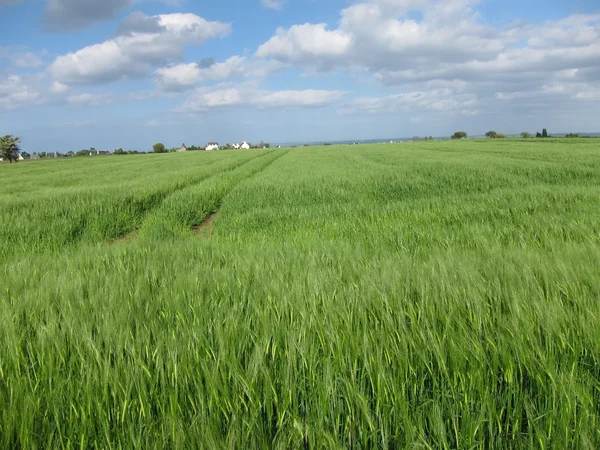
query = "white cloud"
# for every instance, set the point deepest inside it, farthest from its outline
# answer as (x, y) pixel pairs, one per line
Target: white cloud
(292, 98)
(28, 60)
(72, 14)
(27, 90)
(247, 95)
(20, 90)
(60, 15)
(20, 58)
(307, 43)
(161, 40)
(186, 76)
(272, 4)
(407, 45)
(59, 88)
(446, 101)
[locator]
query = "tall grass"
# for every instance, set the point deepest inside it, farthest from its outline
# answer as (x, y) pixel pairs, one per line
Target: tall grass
(437, 295)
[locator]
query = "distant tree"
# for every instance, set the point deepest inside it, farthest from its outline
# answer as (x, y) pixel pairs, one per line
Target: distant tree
(120, 151)
(430, 138)
(500, 136)
(538, 135)
(159, 147)
(544, 133)
(459, 135)
(327, 143)
(43, 154)
(525, 135)
(9, 148)
(416, 138)
(491, 134)
(572, 135)
(83, 153)
(70, 153)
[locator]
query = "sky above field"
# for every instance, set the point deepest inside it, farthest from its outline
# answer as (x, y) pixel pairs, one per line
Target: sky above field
(128, 73)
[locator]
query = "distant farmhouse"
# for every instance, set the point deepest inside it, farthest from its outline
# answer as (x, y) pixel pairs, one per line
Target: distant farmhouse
(236, 146)
(23, 156)
(245, 146)
(99, 153)
(183, 148)
(212, 146)
(51, 155)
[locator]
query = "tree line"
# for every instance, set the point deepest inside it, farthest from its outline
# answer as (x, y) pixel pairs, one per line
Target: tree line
(525, 135)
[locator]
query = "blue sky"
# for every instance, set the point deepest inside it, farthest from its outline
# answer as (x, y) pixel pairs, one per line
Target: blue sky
(76, 74)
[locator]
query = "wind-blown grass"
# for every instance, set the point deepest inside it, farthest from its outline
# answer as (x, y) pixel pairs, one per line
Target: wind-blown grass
(433, 295)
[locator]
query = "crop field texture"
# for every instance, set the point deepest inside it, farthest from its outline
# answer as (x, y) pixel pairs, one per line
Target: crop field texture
(431, 295)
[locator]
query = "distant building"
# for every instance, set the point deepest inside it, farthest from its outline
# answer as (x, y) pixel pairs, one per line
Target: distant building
(245, 145)
(35, 156)
(23, 156)
(212, 146)
(183, 148)
(236, 146)
(51, 155)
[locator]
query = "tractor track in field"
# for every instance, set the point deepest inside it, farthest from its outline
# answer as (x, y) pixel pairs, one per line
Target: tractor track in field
(131, 235)
(205, 227)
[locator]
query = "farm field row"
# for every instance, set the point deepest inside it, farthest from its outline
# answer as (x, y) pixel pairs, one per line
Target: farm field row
(435, 295)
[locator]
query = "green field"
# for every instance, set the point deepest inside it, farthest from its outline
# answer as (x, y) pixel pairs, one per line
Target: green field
(431, 295)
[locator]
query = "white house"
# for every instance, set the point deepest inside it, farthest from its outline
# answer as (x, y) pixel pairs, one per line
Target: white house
(23, 156)
(212, 146)
(245, 145)
(236, 146)
(183, 148)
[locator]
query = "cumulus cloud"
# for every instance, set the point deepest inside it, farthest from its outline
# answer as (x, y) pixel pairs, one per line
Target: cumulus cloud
(29, 90)
(22, 90)
(20, 58)
(308, 44)
(73, 14)
(205, 99)
(17, 91)
(138, 22)
(143, 42)
(186, 76)
(407, 44)
(66, 15)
